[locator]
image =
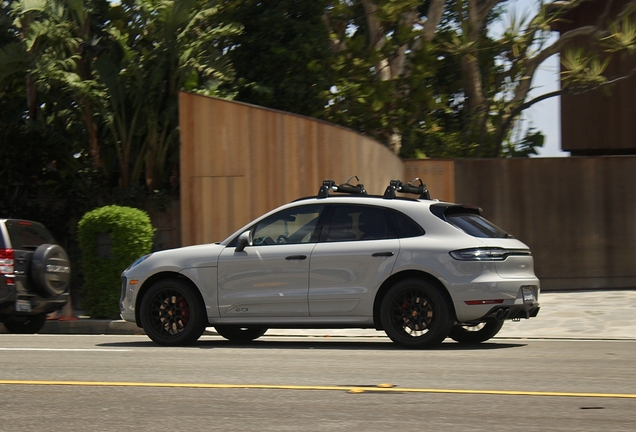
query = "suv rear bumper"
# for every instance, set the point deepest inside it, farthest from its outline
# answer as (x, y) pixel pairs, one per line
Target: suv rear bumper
(9, 296)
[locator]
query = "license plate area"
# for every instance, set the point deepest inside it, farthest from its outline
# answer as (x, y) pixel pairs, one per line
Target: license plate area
(22, 305)
(528, 294)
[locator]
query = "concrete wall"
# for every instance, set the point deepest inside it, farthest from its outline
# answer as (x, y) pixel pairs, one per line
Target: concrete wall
(238, 161)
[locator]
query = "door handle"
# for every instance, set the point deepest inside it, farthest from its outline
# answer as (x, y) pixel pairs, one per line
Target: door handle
(383, 254)
(296, 257)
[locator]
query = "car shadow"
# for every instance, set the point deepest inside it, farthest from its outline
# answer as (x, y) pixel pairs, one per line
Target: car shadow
(314, 343)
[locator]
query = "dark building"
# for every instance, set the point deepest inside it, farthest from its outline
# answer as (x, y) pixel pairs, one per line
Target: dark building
(600, 122)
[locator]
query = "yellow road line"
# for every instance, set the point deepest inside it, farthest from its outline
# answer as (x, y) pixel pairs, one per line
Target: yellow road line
(353, 389)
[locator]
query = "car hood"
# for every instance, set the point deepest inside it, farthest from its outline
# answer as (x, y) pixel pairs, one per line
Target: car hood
(177, 259)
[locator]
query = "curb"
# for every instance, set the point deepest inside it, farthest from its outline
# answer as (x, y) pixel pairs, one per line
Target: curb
(91, 326)
(88, 327)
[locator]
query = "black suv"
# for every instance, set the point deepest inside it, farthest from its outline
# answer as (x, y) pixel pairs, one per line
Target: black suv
(34, 275)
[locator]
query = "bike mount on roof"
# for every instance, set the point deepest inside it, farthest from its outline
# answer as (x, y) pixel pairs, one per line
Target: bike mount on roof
(398, 186)
(330, 185)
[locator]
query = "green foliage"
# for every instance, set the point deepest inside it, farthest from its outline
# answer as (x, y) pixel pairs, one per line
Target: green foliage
(153, 50)
(130, 232)
(281, 56)
(583, 69)
(527, 146)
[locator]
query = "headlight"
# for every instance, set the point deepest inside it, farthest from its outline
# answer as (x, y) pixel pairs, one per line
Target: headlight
(138, 261)
(487, 254)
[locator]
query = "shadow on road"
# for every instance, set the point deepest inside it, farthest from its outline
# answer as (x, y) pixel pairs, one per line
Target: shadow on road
(315, 343)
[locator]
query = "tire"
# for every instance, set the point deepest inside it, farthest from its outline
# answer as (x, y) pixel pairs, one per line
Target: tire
(476, 333)
(50, 270)
(415, 314)
(25, 324)
(240, 334)
(172, 313)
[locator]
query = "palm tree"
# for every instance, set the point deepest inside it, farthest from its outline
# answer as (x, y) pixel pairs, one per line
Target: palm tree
(157, 49)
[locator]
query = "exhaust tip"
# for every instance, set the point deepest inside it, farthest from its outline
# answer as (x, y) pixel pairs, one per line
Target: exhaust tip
(502, 314)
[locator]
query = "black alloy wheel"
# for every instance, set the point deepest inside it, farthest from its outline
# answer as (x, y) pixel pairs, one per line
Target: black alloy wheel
(240, 334)
(475, 333)
(172, 313)
(415, 314)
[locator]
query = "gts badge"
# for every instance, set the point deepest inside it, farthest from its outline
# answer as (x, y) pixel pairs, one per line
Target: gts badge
(242, 309)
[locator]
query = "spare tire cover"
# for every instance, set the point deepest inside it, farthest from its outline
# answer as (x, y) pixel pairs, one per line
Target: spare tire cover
(51, 269)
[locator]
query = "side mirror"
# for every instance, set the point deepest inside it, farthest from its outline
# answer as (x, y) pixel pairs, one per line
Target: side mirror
(245, 239)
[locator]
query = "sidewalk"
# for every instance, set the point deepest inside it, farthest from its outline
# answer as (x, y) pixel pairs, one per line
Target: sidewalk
(570, 315)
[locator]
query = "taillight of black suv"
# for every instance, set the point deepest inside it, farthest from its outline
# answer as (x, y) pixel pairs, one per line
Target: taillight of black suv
(34, 275)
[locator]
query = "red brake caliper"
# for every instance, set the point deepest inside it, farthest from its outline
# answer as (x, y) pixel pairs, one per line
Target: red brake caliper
(185, 311)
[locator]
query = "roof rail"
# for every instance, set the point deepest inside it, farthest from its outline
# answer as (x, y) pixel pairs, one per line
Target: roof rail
(397, 186)
(330, 185)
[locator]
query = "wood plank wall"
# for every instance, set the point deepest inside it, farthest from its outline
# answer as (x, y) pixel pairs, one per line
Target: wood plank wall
(239, 161)
(577, 214)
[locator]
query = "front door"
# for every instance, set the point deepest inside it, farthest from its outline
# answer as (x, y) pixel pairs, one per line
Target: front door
(270, 277)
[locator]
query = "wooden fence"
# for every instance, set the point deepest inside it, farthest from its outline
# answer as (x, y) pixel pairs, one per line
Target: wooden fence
(238, 161)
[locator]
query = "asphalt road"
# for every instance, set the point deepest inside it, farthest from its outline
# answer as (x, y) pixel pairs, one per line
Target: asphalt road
(112, 383)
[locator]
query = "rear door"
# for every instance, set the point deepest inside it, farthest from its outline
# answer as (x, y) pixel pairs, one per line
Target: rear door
(356, 253)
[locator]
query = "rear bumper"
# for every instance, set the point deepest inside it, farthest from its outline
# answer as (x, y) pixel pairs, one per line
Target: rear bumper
(9, 296)
(496, 301)
(514, 312)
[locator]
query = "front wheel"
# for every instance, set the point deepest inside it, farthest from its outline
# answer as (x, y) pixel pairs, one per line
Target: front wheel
(172, 313)
(26, 324)
(415, 314)
(475, 333)
(240, 334)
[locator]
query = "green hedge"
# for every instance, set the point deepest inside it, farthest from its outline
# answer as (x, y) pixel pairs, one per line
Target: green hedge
(130, 232)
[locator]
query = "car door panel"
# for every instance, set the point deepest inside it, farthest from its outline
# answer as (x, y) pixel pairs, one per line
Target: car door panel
(264, 281)
(354, 256)
(344, 276)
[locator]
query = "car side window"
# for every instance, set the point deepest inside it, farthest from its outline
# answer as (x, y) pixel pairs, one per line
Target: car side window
(291, 226)
(403, 226)
(357, 222)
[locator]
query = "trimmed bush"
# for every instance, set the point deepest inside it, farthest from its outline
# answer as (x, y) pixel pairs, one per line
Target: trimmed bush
(110, 239)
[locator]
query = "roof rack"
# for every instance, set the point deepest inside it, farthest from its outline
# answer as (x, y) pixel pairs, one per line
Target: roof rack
(398, 186)
(330, 185)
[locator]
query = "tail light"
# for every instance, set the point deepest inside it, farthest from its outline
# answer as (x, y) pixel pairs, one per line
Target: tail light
(487, 254)
(7, 265)
(6, 261)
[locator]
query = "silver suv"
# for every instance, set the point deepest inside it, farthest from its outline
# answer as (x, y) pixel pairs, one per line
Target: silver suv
(419, 269)
(34, 275)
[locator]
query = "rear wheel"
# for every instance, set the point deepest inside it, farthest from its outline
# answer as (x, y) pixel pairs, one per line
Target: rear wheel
(240, 334)
(172, 313)
(25, 324)
(475, 333)
(415, 314)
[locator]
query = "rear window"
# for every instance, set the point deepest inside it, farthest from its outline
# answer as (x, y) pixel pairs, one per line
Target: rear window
(476, 226)
(28, 235)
